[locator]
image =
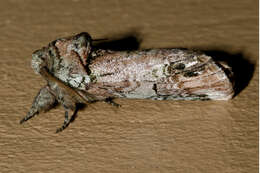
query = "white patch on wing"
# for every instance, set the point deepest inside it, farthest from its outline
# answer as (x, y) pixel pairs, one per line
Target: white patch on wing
(191, 64)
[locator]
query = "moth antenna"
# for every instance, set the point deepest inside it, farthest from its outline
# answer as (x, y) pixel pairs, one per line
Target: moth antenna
(100, 39)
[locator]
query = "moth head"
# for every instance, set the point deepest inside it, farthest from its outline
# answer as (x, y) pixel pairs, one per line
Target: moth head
(38, 60)
(67, 49)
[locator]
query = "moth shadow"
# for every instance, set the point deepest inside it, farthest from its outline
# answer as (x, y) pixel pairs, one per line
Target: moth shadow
(127, 42)
(79, 106)
(242, 68)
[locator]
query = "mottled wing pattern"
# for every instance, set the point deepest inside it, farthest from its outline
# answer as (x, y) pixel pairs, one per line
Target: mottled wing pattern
(159, 74)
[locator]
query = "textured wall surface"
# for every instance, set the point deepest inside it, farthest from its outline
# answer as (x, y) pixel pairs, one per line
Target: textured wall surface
(142, 135)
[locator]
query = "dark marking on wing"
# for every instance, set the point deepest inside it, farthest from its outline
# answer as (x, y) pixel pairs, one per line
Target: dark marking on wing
(155, 88)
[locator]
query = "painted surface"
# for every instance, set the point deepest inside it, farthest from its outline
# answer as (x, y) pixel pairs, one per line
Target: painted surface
(141, 136)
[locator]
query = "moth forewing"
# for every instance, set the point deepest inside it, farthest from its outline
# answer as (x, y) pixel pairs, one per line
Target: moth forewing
(171, 74)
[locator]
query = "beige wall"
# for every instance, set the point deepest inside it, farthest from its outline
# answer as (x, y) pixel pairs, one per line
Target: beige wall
(142, 135)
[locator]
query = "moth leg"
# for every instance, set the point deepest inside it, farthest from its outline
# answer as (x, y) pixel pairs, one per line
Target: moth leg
(43, 102)
(66, 123)
(110, 101)
(69, 106)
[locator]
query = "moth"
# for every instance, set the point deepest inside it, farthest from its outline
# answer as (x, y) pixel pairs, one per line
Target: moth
(79, 73)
